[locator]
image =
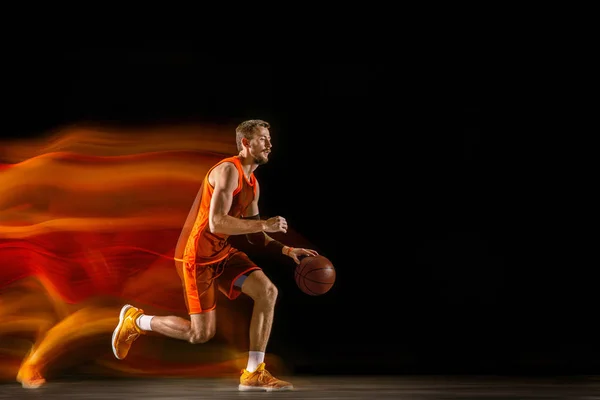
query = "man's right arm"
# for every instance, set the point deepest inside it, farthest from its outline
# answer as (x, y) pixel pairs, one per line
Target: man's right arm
(226, 178)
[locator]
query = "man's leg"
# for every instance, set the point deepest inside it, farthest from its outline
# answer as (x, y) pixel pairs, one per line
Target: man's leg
(264, 294)
(199, 329)
(133, 323)
(200, 297)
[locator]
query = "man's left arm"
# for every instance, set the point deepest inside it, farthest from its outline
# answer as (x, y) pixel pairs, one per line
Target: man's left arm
(271, 245)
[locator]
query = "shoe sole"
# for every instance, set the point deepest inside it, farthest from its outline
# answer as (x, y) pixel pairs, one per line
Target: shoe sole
(244, 388)
(118, 328)
(32, 385)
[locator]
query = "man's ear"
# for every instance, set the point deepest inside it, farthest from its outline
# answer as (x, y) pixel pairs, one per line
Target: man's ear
(245, 142)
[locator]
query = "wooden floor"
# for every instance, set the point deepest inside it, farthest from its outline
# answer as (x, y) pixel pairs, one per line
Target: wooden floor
(321, 387)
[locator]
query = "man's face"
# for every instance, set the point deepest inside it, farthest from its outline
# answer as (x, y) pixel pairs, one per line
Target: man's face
(260, 146)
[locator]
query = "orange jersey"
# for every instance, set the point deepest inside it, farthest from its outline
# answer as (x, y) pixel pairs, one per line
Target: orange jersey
(202, 246)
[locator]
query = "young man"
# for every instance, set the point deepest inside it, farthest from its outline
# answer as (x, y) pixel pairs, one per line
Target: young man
(226, 204)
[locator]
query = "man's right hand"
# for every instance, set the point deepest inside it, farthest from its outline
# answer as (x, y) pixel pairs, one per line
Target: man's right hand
(276, 224)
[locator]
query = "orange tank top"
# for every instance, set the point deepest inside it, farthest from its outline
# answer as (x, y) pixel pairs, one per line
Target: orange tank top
(203, 246)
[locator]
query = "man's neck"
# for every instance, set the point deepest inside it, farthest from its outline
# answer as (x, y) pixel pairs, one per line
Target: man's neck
(247, 165)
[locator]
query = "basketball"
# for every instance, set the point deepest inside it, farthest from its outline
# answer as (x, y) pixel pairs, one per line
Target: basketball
(315, 275)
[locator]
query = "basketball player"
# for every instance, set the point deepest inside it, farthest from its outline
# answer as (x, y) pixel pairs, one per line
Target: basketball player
(226, 204)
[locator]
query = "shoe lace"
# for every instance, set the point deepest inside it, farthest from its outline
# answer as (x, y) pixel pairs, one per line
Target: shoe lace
(131, 337)
(264, 376)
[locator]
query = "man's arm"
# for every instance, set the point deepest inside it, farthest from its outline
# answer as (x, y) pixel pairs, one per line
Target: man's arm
(261, 238)
(273, 246)
(225, 179)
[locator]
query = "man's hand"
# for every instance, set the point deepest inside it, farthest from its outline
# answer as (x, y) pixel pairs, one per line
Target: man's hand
(294, 253)
(276, 224)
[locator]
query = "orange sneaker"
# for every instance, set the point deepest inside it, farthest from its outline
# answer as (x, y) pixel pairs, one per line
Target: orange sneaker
(126, 331)
(30, 377)
(261, 380)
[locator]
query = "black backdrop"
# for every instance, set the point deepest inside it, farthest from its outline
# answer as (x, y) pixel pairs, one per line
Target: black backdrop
(418, 181)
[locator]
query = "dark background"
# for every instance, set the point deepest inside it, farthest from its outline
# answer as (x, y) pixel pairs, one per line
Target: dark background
(420, 180)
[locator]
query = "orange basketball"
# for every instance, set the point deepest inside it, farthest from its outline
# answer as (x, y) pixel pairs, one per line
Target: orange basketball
(315, 275)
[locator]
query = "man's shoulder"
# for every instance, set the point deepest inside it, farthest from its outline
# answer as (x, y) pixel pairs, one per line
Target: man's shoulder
(225, 166)
(228, 161)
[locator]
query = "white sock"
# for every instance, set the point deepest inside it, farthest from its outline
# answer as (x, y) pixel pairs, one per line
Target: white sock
(143, 321)
(254, 358)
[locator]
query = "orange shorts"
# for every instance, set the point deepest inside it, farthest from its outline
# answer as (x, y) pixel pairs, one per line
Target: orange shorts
(200, 282)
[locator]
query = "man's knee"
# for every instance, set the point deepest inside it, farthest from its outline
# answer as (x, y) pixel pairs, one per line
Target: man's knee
(203, 327)
(259, 287)
(266, 292)
(201, 336)
(270, 291)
